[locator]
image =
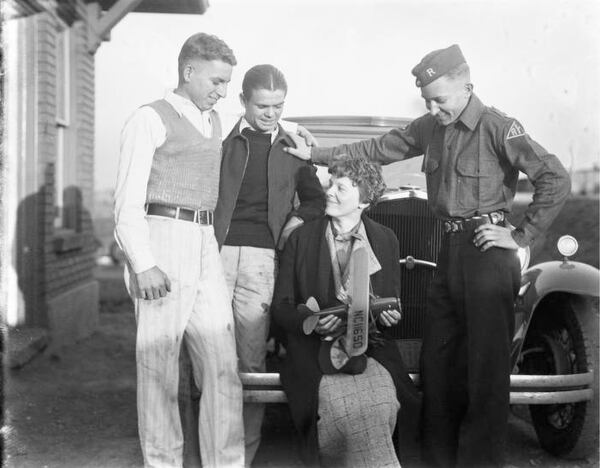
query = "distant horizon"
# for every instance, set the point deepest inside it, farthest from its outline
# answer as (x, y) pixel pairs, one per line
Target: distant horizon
(537, 61)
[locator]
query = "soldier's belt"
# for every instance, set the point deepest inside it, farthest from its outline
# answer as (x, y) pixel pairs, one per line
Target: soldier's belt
(468, 224)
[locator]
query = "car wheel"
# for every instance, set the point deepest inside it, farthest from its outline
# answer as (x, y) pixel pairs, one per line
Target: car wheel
(563, 340)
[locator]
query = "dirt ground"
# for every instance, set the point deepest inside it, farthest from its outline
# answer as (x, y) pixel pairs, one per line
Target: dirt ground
(75, 408)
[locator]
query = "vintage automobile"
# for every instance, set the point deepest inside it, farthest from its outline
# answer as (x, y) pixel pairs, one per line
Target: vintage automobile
(555, 346)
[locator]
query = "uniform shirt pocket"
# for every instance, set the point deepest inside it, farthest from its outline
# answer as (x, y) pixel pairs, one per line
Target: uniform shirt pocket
(467, 184)
(479, 183)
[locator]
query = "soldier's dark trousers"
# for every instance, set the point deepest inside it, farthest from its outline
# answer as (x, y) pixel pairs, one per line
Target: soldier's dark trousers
(465, 359)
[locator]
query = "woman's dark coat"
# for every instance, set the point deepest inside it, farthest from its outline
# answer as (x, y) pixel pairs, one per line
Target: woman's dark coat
(305, 271)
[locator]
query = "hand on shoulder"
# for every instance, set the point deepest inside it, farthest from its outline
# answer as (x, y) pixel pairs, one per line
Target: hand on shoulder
(302, 150)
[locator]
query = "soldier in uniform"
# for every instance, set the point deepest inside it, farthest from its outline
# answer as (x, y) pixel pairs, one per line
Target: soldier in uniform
(472, 158)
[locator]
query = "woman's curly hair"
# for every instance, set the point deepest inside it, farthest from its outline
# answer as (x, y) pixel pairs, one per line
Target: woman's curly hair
(364, 174)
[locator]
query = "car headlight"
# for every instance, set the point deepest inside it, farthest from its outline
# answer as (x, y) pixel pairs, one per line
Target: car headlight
(567, 246)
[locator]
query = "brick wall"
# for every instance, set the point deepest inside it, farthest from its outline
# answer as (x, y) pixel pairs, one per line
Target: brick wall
(66, 258)
(43, 207)
(68, 268)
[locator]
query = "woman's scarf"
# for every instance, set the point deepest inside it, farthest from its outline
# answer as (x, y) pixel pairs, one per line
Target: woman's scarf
(343, 279)
(332, 355)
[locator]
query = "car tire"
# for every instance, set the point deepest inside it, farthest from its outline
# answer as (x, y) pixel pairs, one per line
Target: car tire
(565, 333)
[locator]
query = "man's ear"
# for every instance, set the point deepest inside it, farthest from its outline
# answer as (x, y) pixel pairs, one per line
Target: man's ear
(188, 69)
(469, 87)
(242, 100)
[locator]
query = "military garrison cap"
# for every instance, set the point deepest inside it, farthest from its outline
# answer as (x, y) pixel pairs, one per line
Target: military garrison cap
(436, 64)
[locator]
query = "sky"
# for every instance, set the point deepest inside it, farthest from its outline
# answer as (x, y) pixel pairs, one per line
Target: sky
(537, 61)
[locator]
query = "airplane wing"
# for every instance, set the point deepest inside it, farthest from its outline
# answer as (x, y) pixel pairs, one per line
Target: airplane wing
(357, 332)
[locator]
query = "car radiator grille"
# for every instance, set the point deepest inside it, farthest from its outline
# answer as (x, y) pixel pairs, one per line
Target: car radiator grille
(420, 236)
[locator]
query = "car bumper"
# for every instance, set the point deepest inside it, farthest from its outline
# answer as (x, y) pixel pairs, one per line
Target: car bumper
(524, 389)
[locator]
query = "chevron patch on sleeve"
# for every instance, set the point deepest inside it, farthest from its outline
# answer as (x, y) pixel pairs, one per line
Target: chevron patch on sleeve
(515, 130)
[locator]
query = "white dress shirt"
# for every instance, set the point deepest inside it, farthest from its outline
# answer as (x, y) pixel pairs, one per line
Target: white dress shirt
(142, 134)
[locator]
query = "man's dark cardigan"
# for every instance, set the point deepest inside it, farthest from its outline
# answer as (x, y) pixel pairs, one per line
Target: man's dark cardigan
(293, 188)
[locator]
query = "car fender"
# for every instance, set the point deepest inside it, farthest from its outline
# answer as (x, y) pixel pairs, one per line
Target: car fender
(574, 278)
(570, 277)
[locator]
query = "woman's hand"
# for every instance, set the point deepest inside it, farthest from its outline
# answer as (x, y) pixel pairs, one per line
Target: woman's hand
(389, 317)
(328, 324)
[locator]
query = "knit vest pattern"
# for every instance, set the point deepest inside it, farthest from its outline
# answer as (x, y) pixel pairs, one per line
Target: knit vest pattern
(185, 168)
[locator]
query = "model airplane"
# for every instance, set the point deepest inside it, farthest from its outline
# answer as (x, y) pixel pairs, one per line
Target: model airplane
(361, 305)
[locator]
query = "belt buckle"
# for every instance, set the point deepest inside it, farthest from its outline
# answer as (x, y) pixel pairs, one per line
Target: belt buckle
(177, 212)
(495, 217)
(453, 226)
(203, 217)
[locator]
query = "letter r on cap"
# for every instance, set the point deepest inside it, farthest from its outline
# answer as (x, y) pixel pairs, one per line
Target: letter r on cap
(430, 71)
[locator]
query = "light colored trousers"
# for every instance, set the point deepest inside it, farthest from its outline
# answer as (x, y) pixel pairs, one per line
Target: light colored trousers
(198, 306)
(250, 275)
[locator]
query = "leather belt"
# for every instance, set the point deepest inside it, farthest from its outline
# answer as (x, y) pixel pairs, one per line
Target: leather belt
(467, 224)
(176, 212)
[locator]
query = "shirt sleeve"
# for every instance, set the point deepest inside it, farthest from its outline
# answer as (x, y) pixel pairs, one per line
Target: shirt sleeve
(550, 180)
(142, 134)
(396, 145)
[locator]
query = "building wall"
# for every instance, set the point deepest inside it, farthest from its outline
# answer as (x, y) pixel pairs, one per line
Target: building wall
(70, 264)
(70, 251)
(54, 254)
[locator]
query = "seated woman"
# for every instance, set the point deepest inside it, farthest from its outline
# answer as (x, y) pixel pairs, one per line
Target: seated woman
(344, 418)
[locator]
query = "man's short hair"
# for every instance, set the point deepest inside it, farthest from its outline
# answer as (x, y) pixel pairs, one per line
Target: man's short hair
(263, 77)
(461, 71)
(205, 47)
(364, 174)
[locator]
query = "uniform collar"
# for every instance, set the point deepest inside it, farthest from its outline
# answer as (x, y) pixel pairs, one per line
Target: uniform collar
(472, 112)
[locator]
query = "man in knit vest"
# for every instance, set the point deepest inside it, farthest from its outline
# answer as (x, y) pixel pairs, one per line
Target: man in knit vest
(166, 192)
(255, 212)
